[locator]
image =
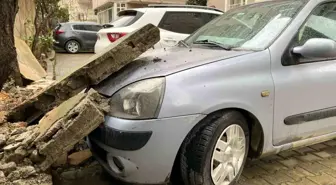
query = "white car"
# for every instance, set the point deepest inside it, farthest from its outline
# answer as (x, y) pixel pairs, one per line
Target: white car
(176, 22)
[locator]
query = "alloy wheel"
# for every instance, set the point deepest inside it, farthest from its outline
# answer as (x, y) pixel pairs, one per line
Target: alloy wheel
(73, 47)
(228, 156)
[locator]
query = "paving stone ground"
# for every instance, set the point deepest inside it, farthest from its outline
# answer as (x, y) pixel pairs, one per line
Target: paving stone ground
(314, 165)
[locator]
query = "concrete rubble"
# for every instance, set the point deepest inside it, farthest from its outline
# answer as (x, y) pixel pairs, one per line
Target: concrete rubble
(93, 71)
(64, 113)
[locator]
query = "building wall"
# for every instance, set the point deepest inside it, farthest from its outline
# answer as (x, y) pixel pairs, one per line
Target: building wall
(107, 10)
(98, 3)
(23, 26)
(79, 10)
(226, 5)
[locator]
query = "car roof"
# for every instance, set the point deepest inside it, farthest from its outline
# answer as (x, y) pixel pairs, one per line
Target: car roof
(78, 22)
(183, 8)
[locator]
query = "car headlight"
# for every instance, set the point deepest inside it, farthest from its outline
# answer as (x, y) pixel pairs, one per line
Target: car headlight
(140, 100)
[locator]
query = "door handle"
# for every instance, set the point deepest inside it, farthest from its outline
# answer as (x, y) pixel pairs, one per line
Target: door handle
(169, 40)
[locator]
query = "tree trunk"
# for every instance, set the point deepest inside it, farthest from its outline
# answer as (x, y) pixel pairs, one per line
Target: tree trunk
(8, 57)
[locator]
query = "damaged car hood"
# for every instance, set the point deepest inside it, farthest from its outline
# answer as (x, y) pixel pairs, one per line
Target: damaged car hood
(163, 62)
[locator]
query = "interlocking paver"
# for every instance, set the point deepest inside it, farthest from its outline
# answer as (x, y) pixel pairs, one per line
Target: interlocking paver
(278, 178)
(287, 154)
(272, 167)
(255, 181)
(331, 163)
(303, 182)
(314, 165)
(319, 147)
(331, 143)
(323, 154)
(253, 172)
(298, 173)
(323, 179)
(290, 163)
(304, 151)
(309, 158)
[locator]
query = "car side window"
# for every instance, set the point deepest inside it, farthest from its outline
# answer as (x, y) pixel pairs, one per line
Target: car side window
(79, 27)
(96, 27)
(320, 24)
(184, 22)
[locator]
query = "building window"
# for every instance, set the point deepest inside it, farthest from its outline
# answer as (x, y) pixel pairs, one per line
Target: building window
(105, 16)
(121, 7)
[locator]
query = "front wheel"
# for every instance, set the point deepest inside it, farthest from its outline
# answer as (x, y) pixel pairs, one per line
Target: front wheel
(72, 46)
(215, 151)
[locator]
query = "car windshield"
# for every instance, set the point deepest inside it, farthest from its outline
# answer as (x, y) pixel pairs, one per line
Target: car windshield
(251, 27)
(123, 20)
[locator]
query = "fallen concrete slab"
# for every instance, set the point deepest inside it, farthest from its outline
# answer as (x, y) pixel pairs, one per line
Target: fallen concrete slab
(64, 133)
(96, 69)
(31, 151)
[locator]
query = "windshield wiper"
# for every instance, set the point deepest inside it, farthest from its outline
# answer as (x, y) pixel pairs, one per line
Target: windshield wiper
(184, 43)
(214, 43)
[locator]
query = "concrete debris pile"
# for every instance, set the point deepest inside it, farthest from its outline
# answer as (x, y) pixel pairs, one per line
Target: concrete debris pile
(12, 96)
(30, 151)
(68, 114)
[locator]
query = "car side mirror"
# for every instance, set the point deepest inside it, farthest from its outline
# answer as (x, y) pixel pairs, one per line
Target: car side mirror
(317, 48)
(107, 26)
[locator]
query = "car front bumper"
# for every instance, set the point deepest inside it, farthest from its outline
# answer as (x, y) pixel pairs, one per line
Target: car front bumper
(142, 151)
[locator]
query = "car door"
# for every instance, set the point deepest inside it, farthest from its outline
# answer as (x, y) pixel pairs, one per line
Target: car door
(86, 35)
(176, 26)
(305, 88)
(90, 34)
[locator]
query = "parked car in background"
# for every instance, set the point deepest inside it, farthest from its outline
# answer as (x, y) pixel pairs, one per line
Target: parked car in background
(175, 22)
(74, 37)
(256, 81)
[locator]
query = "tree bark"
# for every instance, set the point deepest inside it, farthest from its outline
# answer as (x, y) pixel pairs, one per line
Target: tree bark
(8, 57)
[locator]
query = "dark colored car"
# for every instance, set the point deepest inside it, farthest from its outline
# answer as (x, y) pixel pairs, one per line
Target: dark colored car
(74, 37)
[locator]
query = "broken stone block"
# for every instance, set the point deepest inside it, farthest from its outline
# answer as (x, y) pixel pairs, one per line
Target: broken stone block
(16, 156)
(11, 139)
(61, 161)
(79, 157)
(2, 177)
(19, 130)
(36, 157)
(29, 139)
(69, 175)
(21, 173)
(8, 167)
(12, 147)
(23, 136)
(2, 140)
(39, 179)
(52, 121)
(79, 122)
(93, 71)
(19, 124)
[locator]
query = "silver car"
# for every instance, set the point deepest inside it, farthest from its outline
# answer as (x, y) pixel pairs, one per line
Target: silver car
(256, 81)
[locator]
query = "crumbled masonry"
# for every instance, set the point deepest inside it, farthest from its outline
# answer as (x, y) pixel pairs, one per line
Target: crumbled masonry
(96, 69)
(27, 153)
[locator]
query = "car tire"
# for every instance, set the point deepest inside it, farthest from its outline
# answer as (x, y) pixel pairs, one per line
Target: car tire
(72, 46)
(198, 159)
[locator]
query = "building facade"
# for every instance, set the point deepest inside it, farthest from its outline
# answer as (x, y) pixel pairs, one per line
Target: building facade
(79, 10)
(226, 5)
(107, 10)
